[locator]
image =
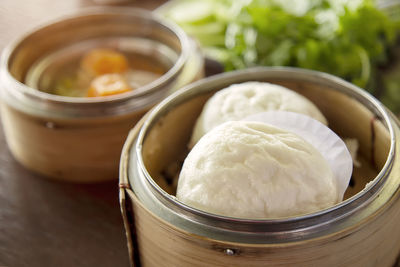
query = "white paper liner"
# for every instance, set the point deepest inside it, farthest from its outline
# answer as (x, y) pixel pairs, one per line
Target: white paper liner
(331, 146)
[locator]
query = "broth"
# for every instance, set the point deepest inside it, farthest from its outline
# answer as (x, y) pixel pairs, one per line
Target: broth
(71, 81)
(61, 72)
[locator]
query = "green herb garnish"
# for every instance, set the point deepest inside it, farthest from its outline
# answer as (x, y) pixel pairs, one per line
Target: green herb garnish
(352, 39)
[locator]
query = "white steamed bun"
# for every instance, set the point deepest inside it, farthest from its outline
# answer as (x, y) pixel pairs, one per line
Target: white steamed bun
(248, 169)
(241, 100)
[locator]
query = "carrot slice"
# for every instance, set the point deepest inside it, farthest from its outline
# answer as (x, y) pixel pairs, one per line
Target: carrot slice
(108, 84)
(101, 61)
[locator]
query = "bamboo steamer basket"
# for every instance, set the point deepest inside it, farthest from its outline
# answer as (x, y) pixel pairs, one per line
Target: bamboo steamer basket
(80, 139)
(360, 231)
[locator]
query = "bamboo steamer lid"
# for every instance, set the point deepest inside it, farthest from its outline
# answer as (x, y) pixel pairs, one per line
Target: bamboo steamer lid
(360, 231)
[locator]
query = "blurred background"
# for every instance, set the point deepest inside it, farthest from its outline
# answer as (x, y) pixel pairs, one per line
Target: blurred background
(356, 40)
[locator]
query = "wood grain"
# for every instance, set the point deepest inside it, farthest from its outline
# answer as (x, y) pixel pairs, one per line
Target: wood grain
(365, 244)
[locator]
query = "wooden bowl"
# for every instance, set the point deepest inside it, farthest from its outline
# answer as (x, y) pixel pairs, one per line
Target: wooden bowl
(362, 230)
(80, 139)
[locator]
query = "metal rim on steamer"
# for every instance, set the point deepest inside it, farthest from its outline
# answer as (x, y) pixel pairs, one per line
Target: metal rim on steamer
(255, 231)
(33, 101)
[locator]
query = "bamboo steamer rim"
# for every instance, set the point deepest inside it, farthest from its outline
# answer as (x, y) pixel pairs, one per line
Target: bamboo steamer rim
(341, 209)
(21, 91)
(125, 190)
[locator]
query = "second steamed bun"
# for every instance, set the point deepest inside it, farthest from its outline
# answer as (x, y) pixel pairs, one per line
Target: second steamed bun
(241, 100)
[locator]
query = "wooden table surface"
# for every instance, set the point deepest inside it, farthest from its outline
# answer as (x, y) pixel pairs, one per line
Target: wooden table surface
(48, 223)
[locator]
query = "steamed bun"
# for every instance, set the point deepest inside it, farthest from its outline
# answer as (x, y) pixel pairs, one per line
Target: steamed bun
(241, 100)
(248, 169)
